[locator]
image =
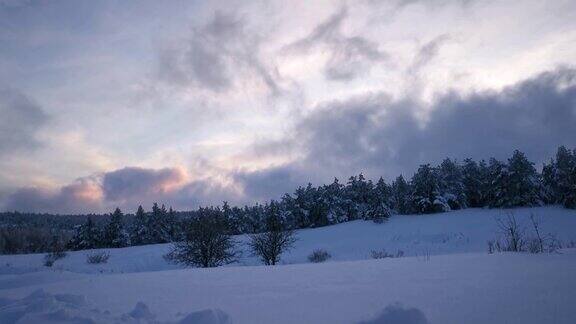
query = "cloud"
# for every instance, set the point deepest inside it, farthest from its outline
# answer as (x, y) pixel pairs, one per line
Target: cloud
(269, 183)
(20, 118)
(381, 136)
(133, 182)
(372, 133)
(427, 52)
(132, 186)
(349, 56)
(217, 57)
(82, 196)
(127, 188)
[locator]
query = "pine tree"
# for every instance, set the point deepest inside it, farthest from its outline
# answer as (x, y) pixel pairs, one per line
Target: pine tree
(550, 190)
(115, 235)
(157, 226)
(564, 177)
(379, 207)
(498, 183)
(230, 217)
(333, 199)
(401, 196)
(524, 187)
(472, 179)
(140, 234)
(170, 226)
(358, 192)
(314, 209)
(426, 196)
(290, 210)
(452, 184)
(569, 187)
(88, 236)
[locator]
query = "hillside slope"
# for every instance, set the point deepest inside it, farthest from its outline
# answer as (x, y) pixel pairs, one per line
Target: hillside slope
(446, 277)
(454, 232)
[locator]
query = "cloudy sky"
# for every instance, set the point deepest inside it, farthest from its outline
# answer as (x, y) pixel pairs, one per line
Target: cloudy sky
(117, 103)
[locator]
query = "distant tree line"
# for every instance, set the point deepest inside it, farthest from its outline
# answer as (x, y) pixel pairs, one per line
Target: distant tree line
(449, 186)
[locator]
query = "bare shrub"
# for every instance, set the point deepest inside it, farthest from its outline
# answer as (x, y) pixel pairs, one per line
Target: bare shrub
(513, 235)
(424, 255)
(570, 245)
(97, 257)
(515, 239)
(541, 243)
(491, 246)
(318, 256)
(383, 254)
(52, 257)
(206, 243)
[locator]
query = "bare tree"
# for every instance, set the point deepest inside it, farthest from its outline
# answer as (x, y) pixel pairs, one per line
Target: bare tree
(536, 245)
(513, 234)
(207, 243)
(541, 242)
(268, 246)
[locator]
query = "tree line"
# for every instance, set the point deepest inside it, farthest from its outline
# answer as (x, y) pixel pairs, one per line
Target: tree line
(451, 185)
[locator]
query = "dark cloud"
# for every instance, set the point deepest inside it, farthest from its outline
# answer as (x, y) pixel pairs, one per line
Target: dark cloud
(377, 135)
(132, 182)
(202, 193)
(349, 56)
(217, 55)
(270, 183)
(126, 188)
(83, 196)
(132, 186)
(20, 118)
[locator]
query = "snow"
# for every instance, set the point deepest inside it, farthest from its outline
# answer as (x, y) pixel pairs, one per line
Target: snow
(446, 277)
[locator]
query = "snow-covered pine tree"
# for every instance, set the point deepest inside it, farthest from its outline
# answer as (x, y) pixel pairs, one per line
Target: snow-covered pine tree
(171, 226)
(379, 207)
(298, 208)
(87, 236)
(565, 177)
(139, 233)
(255, 218)
(317, 206)
(158, 228)
(358, 192)
(115, 235)
(314, 208)
(452, 184)
(231, 216)
(498, 183)
(549, 184)
(289, 211)
(334, 200)
(569, 200)
(524, 186)
(426, 196)
(401, 192)
(473, 183)
(485, 182)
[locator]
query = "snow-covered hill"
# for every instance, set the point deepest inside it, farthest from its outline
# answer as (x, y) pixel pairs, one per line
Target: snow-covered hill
(446, 277)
